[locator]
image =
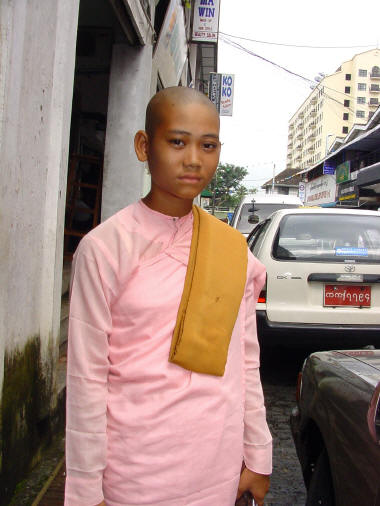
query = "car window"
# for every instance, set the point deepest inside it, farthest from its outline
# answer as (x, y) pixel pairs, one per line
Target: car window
(332, 238)
(257, 235)
(262, 211)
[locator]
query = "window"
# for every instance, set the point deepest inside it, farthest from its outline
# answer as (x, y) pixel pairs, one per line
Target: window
(348, 77)
(375, 71)
(375, 87)
(362, 73)
(347, 89)
(362, 86)
(347, 238)
(374, 101)
(256, 237)
(345, 116)
(345, 130)
(361, 100)
(360, 114)
(346, 103)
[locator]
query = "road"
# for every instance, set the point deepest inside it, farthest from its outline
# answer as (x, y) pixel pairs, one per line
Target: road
(279, 376)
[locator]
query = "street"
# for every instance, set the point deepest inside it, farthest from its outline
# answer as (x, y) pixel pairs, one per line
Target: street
(279, 376)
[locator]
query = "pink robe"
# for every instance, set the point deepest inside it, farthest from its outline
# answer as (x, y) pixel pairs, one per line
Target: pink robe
(140, 430)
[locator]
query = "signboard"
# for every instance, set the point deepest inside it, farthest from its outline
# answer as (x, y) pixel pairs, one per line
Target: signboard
(302, 191)
(342, 172)
(221, 92)
(348, 192)
(328, 168)
(321, 190)
(205, 21)
(171, 50)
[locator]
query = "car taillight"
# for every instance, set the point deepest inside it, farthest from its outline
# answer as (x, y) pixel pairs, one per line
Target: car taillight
(373, 415)
(263, 294)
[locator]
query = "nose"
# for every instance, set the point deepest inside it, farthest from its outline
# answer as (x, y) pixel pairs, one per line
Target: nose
(192, 157)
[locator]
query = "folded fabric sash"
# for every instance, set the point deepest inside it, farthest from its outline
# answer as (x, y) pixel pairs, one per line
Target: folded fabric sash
(213, 290)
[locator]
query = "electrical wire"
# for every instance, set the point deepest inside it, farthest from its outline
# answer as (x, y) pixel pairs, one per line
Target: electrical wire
(309, 81)
(295, 45)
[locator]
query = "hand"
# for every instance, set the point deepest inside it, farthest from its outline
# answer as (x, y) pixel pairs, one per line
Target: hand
(257, 484)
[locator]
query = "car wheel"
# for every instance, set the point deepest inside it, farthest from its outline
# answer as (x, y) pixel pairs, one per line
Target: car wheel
(321, 490)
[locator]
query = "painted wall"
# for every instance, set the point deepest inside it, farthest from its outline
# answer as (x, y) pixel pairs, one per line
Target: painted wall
(36, 76)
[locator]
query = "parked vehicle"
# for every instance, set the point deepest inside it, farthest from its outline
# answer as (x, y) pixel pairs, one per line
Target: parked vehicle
(323, 277)
(256, 207)
(336, 427)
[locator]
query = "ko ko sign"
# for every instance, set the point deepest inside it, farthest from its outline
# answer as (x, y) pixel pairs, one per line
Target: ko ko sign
(221, 92)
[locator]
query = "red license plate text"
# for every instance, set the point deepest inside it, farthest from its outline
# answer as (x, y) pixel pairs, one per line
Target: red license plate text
(347, 295)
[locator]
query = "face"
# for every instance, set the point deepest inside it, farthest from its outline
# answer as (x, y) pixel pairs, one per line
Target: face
(183, 151)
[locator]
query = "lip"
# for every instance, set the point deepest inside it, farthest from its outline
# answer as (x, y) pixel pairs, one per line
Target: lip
(191, 179)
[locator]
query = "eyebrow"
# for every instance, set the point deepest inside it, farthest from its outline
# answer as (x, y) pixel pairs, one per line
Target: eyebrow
(184, 132)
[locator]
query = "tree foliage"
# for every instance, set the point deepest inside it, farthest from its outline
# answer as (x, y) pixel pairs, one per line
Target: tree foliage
(226, 185)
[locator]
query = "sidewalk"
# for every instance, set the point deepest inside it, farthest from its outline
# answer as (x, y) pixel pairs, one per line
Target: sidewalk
(52, 493)
(45, 483)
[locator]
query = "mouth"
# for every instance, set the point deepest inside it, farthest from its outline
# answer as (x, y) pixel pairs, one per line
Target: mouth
(190, 179)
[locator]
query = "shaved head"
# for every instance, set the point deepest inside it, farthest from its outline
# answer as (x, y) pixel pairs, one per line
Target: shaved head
(165, 100)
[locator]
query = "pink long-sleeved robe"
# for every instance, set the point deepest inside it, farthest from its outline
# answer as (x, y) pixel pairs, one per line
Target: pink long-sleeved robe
(140, 430)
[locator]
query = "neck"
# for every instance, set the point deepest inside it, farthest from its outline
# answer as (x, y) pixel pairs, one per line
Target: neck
(171, 207)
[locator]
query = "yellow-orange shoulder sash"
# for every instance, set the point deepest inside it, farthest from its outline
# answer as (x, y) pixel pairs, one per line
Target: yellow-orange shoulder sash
(214, 286)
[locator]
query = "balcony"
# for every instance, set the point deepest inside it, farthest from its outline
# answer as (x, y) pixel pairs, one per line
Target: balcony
(311, 149)
(313, 112)
(375, 88)
(299, 146)
(373, 104)
(375, 75)
(314, 99)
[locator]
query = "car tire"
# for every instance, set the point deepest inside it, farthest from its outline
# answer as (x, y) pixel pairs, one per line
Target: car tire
(321, 489)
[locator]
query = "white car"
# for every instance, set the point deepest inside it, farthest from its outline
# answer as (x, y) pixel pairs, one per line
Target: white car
(323, 277)
(256, 207)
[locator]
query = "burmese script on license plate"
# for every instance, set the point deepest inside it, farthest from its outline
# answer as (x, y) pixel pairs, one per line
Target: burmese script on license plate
(347, 295)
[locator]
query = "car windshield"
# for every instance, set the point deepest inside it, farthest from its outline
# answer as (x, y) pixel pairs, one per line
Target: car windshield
(262, 211)
(328, 237)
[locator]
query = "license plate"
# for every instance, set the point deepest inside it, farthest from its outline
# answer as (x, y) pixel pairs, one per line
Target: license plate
(347, 295)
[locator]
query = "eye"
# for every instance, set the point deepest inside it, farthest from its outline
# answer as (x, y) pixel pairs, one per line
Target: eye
(209, 146)
(177, 142)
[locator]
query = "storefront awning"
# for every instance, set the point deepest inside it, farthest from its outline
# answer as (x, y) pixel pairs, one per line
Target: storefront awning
(369, 175)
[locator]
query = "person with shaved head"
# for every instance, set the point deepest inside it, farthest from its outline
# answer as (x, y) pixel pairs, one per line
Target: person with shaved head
(164, 400)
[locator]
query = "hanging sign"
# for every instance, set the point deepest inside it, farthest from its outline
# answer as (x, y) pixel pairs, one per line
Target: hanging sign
(342, 172)
(221, 92)
(205, 21)
(328, 168)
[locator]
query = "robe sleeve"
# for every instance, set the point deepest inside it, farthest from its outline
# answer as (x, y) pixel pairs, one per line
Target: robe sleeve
(257, 437)
(87, 370)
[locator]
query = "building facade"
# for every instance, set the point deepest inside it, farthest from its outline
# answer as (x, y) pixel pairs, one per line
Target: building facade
(340, 100)
(75, 78)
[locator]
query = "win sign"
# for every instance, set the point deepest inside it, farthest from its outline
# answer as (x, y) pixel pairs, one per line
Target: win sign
(221, 92)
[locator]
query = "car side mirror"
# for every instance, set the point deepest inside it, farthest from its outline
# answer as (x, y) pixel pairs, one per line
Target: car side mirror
(253, 219)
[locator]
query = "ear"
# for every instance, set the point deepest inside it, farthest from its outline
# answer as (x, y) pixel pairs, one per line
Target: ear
(141, 145)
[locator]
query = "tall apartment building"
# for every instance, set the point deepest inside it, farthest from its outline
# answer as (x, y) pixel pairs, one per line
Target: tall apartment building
(340, 100)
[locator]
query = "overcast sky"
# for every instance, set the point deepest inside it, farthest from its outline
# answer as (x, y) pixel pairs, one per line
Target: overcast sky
(266, 97)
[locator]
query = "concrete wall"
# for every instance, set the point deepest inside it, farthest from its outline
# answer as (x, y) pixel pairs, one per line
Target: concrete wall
(129, 92)
(36, 77)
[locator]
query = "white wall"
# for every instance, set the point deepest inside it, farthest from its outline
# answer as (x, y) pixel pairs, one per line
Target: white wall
(36, 78)
(129, 93)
